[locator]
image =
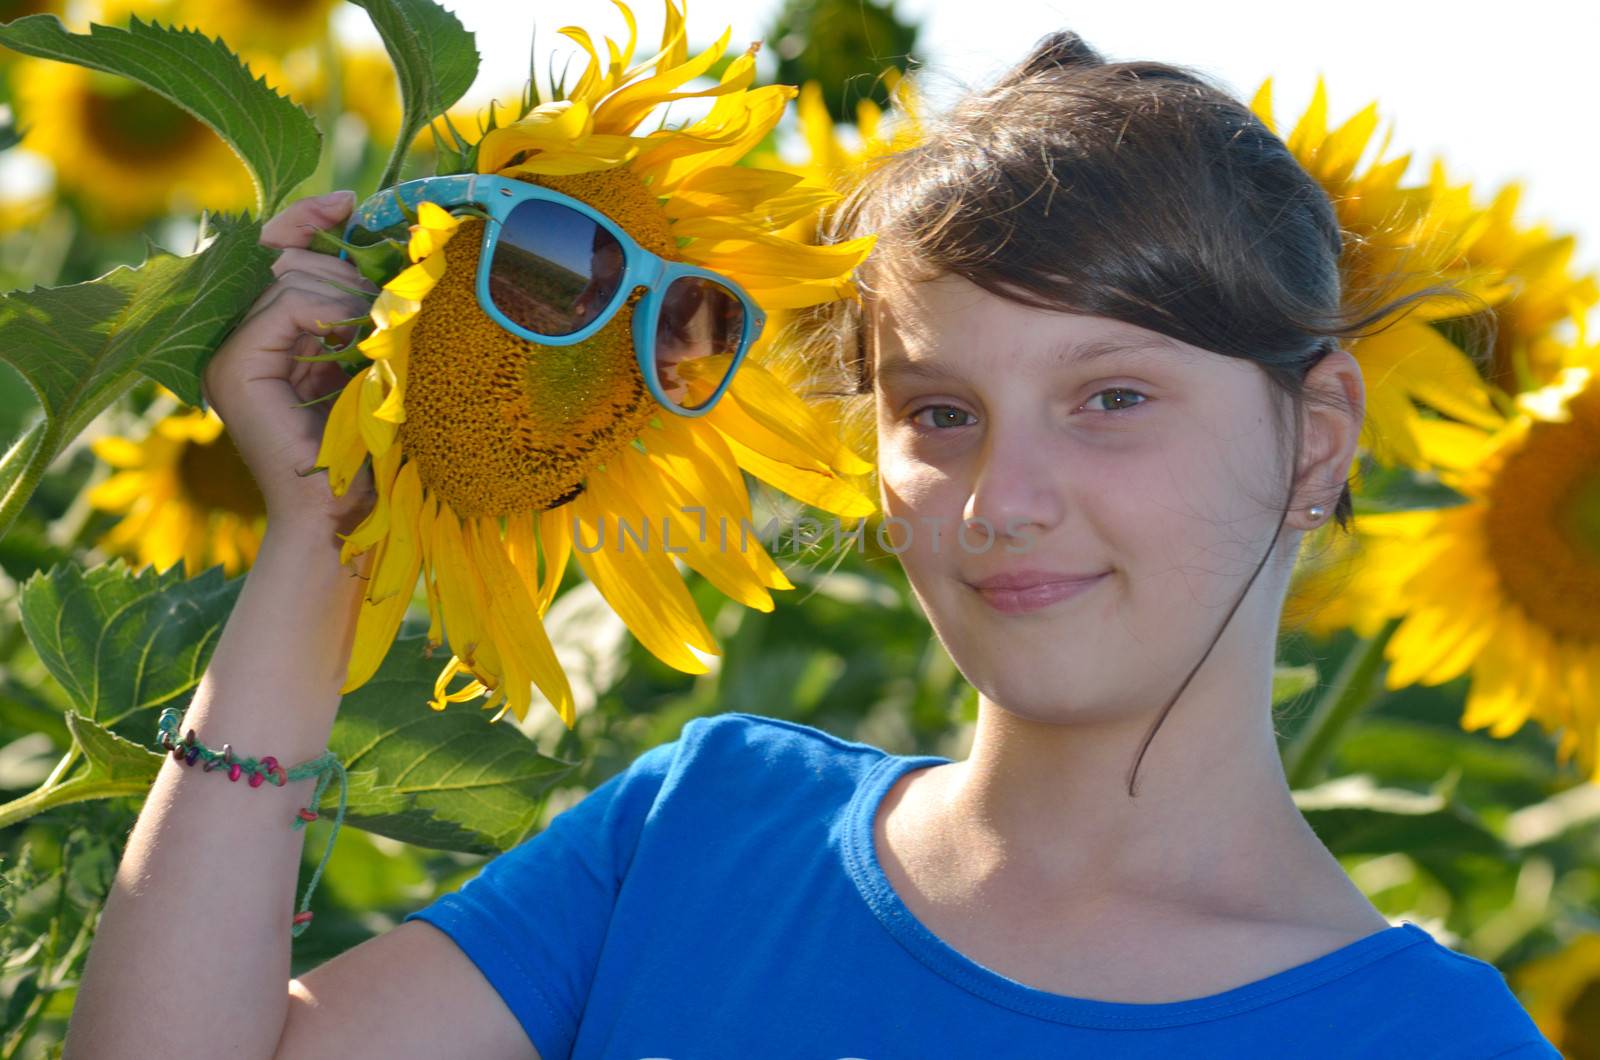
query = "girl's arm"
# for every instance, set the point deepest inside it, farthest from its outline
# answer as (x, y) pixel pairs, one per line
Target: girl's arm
(191, 956)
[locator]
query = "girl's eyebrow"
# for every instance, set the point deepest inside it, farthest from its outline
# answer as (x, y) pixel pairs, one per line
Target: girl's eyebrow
(931, 369)
(1093, 351)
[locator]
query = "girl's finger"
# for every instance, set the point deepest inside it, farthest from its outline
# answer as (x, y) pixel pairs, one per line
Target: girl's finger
(310, 261)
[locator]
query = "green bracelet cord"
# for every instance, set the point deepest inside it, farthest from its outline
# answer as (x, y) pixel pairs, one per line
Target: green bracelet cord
(324, 767)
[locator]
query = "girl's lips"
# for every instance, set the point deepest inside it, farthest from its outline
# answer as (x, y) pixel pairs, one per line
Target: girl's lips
(1035, 597)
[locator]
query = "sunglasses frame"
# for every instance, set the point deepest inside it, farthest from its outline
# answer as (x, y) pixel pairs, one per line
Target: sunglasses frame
(498, 196)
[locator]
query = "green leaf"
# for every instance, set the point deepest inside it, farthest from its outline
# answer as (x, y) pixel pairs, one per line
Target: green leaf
(274, 136)
(450, 779)
(1352, 815)
(1399, 750)
(109, 756)
(80, 347)
(435, 61)
(122, 643)
(110, 767)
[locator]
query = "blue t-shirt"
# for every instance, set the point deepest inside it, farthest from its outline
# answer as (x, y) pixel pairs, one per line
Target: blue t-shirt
(722, 897)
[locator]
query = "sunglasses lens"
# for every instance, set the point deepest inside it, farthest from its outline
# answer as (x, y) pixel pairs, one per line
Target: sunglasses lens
(699, 318)
(554, 270)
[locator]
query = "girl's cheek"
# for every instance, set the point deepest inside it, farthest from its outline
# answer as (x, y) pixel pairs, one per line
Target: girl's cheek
(909, 485)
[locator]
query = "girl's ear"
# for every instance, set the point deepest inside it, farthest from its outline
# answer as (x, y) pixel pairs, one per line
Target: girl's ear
(1333, 418)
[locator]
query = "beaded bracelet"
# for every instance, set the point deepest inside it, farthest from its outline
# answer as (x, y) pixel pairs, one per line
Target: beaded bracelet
(324, 767)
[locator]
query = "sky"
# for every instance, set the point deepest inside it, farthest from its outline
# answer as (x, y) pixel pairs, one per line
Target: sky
(1500, 92)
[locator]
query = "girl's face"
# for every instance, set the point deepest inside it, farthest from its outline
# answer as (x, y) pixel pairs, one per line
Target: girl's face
(1074, 446)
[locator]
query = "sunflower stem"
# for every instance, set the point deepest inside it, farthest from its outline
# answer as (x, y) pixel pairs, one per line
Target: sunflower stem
(34, 448)
(1346, 697)
(79, 789)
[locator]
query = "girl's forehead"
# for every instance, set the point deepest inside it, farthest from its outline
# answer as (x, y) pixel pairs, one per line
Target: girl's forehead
(950, 311)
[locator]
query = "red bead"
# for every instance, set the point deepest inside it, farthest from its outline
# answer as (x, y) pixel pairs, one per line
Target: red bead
(306, 814)
(256, 779)
(303, 918)
(233, 771)
(279, 777)
(269, 763)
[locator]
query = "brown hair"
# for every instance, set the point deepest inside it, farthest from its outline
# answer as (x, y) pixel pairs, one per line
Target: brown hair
(1136, 191)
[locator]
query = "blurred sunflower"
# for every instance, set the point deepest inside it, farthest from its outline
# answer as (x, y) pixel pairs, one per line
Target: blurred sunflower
(1419, 234)
(263, 27)
(185, 493)
(829, 167)
(1502, 585)
(125, 152)
(371, 90)
(489, 452)
(1561, 992)
(1545, 292)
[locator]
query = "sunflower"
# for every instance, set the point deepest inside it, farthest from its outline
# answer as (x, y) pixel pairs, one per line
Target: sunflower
(185, 494)
(496, 461)
(127, 153)
(265, 27)
(1503, 584)
(829, 167)
(1561, 992)
(1546, 293)
(1418, 233)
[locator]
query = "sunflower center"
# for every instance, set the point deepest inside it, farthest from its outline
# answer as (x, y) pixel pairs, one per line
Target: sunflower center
(130, 121)
(216, 477)
(1543, 521)
(498, 424)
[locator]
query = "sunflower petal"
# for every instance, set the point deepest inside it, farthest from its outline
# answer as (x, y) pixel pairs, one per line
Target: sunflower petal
(394, 576)
(642, 586)
(528, 642)
(343, 448)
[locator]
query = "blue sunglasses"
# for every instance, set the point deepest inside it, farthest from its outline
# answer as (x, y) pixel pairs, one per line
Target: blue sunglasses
(554, 270)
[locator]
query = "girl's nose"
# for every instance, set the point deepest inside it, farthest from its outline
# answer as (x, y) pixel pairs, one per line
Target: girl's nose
(1017, 491)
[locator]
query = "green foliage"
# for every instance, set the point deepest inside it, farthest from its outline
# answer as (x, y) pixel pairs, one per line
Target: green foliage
(81, 347)
(844, 46)
(449, 780)
(122, 642)
(274, 137)
(435, 59)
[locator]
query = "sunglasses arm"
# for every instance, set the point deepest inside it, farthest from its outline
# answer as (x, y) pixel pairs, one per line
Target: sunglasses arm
(382, 211)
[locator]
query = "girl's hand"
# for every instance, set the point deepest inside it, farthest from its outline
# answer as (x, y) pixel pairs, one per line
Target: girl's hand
(254, 383)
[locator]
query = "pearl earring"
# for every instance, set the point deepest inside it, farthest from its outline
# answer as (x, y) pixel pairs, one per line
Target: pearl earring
(1315, 511)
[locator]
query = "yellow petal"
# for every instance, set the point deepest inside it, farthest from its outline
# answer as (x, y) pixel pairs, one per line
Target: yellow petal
(700, 464)
(119, 491)
(627, 107)
(378, 435)
(118, 452)
(394, 575)
(641, 585)
(460, 593)
(415, 281)
(529, 643)
(689, 535)
(555, 543)
(373, 528)
(343, 448)
(549, 126)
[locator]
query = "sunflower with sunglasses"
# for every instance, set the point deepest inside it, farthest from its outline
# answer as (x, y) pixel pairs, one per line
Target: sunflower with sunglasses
(570, 365)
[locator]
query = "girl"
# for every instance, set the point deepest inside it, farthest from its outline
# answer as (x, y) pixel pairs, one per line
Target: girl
(1101, 336)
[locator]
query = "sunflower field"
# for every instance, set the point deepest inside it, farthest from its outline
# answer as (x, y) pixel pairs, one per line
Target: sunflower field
(1437, 696)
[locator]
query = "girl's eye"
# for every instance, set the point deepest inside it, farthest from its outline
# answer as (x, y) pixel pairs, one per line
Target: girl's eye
(1120, 390)
(938, 424)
